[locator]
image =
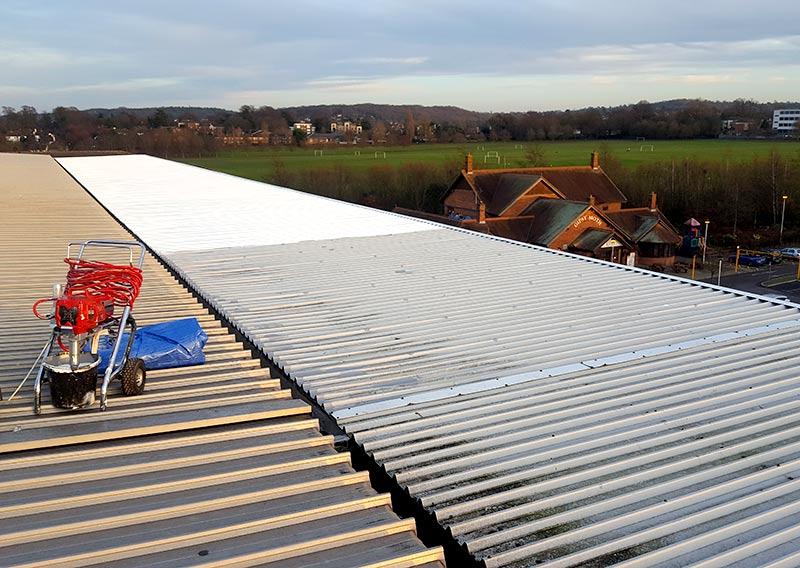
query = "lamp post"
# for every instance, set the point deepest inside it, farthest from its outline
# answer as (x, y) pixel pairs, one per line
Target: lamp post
(783, 214)
(705, 242)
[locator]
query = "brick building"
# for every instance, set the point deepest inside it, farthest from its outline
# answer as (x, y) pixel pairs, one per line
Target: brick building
(577, 209)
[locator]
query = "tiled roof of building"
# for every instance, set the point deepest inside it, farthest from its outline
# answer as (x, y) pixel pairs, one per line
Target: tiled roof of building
(510, 187)
(591, 239)
(515, 228)
(638, 225)
(574, 183)
(551, 217)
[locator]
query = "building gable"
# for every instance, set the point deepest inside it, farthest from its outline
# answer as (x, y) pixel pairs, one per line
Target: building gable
(461, 197)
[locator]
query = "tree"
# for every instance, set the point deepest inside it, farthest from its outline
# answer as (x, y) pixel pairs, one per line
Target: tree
(410, 128)
(378, 132)
(158, 120)
(535, 155)
(299, 136)
(247, 113)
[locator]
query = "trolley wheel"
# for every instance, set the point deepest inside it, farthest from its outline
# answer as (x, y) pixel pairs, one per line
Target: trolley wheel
(133, 377)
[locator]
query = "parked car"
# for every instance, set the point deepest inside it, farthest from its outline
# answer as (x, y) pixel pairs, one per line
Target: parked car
(779, 297)
(750, 259)
(791, 251)
(775, 256)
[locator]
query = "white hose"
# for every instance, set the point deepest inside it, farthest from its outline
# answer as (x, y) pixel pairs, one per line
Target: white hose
(35, 363)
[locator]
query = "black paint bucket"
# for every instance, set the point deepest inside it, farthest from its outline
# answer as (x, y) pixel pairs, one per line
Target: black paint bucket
(72, 388)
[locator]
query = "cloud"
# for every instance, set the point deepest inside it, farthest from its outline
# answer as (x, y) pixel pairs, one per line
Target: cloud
(220, 72)
(383, 61)
(527, 55)
(605, 80)
(707, 79)
(341, 83)
(144, 84)
(9, 91)
(28, 56)
(690, 58)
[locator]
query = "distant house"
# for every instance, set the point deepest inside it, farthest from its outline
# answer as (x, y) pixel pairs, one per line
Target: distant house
(203, 127)
(576, 209)
(736, 127)
(785, 120)
(305, 126)
(22, 136)
(238, 138)
(325, 138)
(345, 126)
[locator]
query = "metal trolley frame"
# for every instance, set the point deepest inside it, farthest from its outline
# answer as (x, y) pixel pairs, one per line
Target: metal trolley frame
(114, 326)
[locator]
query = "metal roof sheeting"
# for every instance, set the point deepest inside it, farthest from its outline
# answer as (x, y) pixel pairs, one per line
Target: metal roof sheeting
(611, 462)
(545, 407)
(212, 464)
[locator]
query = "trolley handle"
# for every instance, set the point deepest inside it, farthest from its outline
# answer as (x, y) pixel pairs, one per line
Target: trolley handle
(110, 244)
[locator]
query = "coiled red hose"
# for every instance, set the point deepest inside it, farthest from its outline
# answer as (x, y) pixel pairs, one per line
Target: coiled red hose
(102, 280)
(118, 283)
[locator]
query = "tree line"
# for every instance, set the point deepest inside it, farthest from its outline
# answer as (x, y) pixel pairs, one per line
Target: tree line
(158, 131)
(743, 200)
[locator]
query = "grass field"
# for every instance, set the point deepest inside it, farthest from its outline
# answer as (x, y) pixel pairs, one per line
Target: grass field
(258, 163)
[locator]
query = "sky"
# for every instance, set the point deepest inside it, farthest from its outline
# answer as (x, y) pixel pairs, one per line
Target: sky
(483, 55)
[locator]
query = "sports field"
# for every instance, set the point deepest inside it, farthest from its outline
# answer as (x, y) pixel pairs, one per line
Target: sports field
(259, 163)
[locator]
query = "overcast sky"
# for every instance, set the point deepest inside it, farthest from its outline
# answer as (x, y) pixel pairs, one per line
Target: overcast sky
(477, 54)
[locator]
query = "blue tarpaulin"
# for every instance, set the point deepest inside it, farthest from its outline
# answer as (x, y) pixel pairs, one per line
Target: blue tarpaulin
(161, 346)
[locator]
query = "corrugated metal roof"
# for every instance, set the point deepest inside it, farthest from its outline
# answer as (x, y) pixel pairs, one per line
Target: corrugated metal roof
(546, 407)
(678, 458)
(213, 464)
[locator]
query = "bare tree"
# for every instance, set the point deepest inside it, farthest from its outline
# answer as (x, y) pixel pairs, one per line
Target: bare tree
(535, 155)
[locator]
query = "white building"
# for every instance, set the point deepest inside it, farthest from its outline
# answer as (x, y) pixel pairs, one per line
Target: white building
(785, 119)
(305, 126)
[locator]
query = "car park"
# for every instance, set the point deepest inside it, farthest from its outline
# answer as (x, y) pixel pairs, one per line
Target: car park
(774, 256)
(750, 259)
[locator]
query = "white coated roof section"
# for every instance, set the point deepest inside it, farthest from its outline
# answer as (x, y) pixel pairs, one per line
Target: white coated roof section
(244, 212)
(546, 408)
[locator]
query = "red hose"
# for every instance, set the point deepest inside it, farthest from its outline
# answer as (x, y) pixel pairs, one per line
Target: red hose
(118, 283)
(93, 288)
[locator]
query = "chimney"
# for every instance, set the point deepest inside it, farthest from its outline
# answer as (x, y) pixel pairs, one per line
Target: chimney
(595, 160)
(653, 201)
(481, 211)
(591, 201)
(469, 163)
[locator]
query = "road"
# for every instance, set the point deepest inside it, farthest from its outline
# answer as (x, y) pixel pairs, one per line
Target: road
(752, 279)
